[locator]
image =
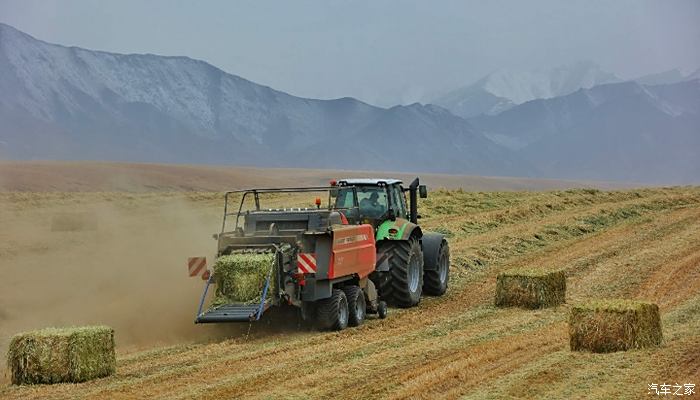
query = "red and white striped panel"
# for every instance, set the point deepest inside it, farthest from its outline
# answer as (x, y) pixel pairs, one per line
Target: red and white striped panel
(306, 263)
(196, 265)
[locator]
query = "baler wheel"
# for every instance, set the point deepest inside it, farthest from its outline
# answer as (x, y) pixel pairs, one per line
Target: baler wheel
(356, 304)
(382, 309)
(332, 313)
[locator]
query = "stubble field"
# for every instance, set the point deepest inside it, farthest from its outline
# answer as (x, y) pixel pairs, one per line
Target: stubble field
(129, 272)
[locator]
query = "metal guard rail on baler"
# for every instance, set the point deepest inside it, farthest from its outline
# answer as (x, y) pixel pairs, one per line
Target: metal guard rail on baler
(257, 192)
(236, 312)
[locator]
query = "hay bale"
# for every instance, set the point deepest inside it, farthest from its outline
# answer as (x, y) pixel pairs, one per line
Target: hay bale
(240, 277)
(530, 288)
(54, 355)
(74, 222)
(605, 326)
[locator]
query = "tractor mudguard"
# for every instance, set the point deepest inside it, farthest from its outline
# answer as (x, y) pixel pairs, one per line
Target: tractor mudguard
(399, 229)
(431, 250)
(382, 259)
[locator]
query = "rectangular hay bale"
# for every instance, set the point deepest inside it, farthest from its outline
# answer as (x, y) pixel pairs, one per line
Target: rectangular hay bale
(604, 326)
(54, 355)
(240, 277)
(530, 288)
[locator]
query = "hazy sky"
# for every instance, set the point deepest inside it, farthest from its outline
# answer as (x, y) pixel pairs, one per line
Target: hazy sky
(379, 51)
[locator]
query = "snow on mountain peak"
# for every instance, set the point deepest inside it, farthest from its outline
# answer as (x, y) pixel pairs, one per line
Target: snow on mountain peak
(693, 76)
(503, 88)
(523, 86)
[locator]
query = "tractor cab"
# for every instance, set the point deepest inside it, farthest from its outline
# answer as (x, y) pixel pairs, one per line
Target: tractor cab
(378, 200)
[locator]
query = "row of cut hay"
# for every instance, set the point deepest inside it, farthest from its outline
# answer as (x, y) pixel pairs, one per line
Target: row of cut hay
(74, 222)
(54, 355)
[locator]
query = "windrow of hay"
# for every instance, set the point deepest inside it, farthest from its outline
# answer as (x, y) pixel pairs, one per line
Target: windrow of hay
(73, 222)
(54, 355)
(530, 288)
(604, 326)
(240, 277)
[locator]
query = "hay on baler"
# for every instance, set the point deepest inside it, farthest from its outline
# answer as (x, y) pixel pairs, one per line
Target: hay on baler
(604, 326)
(240, 277)
(54, 355)
(530, 288)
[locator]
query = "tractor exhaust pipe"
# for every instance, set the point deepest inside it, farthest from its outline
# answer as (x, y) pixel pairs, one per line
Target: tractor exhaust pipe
(415, 190)
(413, 195)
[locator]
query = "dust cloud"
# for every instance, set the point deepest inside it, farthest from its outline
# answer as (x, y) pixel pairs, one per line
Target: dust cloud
(129, 271)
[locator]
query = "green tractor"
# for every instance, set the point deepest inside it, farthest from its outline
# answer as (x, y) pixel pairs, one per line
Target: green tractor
(410, 262)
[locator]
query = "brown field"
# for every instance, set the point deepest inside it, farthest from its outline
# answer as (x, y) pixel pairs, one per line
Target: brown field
(129, 273)
(88, 176)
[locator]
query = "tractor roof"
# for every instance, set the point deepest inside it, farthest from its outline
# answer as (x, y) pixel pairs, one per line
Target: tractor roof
(368, 181)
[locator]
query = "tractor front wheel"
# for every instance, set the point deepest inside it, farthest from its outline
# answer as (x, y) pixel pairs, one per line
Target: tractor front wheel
(405, 273)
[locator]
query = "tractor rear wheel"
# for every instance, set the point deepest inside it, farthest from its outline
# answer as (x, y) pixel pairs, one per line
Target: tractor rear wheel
(435, 282)
(332, 313)
(405, 281)
(356, 305)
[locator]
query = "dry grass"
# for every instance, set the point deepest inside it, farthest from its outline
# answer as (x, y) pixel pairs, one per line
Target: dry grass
(623, 244)
(54, 355)
(76, 221)
(604, 326)
(530, 288)
(240, 277)
(90, 176)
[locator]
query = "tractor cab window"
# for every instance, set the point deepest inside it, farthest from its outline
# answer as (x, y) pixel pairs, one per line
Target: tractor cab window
(344, 199)
(373, 201)
(398, 201)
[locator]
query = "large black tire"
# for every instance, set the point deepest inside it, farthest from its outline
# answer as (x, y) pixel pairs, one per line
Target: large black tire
(435, 282)
(382, 309)
(356, 305)
(382, 280)
(403, 285)
(332, 313)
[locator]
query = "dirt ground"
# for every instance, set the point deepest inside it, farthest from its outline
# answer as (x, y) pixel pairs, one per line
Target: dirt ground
(128, 271)
(102, 258)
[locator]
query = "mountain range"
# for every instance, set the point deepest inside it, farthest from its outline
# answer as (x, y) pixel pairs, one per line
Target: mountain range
(60, 102)
(620, 131)
(504, 89)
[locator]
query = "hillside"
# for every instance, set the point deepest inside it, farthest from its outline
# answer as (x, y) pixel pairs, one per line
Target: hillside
(620, 131)
(70, 103)
(638, 244)
(504, 89)
(662, 78)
